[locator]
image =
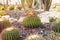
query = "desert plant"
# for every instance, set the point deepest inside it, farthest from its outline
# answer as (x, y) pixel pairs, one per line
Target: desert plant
(56, 27)
(34, 37)
(17, 7)
(2, 13)
(10, 34)
(47, 4)
(10, 7)
(4, 24)
(52, 19)
(32, 21)
(29, 2)
(2, 7)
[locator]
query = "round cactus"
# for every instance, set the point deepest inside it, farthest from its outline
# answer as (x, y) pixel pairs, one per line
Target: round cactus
(10, 34)
(32, 21)
(4, 24)
(34, 37)
(56, 27)
(10, 8)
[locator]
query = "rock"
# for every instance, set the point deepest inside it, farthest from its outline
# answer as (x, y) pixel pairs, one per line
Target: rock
(21, 19)
(12, 20)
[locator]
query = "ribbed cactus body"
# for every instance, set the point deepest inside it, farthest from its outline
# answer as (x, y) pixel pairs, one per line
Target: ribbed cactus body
(26, 4)
(56, 27)
(34, 37)
(47, 4)
(10, 34)
(29, 2)
(32, 22)
(4, 24)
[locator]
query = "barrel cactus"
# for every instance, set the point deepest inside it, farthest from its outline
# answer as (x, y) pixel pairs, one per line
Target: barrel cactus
(34, 37)
(47, 4)
(10, 34)
(56, 27)
(4, 24)
(32, 22)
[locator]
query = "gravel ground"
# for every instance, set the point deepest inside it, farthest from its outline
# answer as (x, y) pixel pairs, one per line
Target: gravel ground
(45, 29)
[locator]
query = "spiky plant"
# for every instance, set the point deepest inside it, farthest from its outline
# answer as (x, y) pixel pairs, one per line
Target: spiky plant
(10, 7)
(2, 13)
(56, 27)
(52, 19)
(34, 37)
(29, 2)
(17, 7)
(1, 7)
(32, 21)
(47, 4)
(4, 24)
(10, 34)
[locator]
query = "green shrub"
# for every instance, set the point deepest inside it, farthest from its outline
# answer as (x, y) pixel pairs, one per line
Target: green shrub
(34, 37)
(32, 22)
(56, 27)
(10, 34)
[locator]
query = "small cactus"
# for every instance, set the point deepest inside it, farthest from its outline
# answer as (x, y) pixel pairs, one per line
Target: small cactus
(32, 21)
(34, 37)
(52, 19)
(10, 34)
(4, 24)
(56, 27)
